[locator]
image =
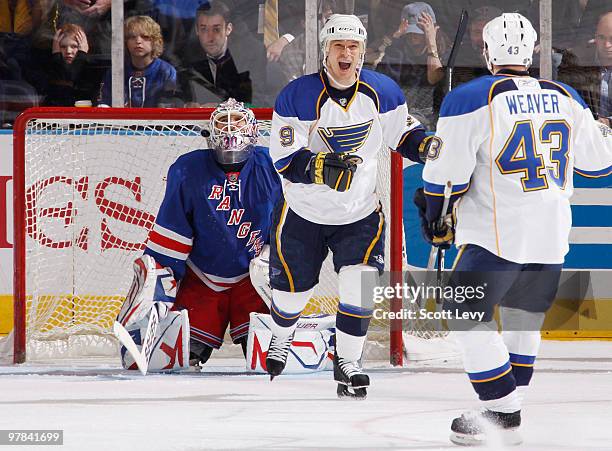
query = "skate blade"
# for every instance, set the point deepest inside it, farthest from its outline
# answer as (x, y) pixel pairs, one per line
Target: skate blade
(343, 391)
(505, 437)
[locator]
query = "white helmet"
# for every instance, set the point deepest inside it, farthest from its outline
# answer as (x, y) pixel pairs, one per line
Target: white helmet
(509, 40)
(343, 27)
(233, 132)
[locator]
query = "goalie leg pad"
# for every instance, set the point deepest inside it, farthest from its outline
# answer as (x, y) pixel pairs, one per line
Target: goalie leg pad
(171, 345)
(312, 349)
(151, 283)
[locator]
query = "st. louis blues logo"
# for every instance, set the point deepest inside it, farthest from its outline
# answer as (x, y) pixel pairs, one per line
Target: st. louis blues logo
(346, 139)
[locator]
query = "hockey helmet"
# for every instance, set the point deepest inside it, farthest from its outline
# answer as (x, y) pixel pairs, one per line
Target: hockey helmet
(233, 132)
(509, 40)
(343, 27)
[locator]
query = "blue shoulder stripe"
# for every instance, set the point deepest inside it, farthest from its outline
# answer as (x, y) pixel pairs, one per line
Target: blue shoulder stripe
(300, 98)
(468, 97)
(564, 89)
(388, 94)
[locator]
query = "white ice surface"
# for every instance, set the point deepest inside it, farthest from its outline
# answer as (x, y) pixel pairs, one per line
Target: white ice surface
(101, 407)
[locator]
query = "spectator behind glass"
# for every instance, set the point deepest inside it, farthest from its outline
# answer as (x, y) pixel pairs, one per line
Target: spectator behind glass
(147, 78)
(413, 59)
(293, 56)
(589, 70)
(68, 69)
(18, 18)
(176, 19)
(470, 62)
(221, 65)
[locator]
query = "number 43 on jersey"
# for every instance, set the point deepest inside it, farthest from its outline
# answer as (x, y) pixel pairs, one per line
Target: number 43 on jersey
(520, 155)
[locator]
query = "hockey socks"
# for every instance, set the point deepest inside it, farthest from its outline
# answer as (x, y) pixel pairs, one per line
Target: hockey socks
(285, 311)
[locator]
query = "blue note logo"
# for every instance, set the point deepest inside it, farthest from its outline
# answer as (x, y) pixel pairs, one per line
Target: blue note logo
(346, 139)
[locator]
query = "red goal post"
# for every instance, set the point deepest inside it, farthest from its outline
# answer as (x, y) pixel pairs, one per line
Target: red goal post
(51, 147)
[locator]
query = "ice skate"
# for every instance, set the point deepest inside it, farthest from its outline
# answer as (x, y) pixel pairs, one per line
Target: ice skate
(352, 381)
(487, 427)
(277, 355)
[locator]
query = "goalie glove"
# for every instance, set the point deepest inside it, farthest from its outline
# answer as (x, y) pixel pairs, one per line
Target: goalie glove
(151, 283)
(333, 169)
(437, 233)
(259, 271)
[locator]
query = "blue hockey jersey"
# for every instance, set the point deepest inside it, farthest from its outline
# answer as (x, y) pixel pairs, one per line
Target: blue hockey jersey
(212, 221)
(143, 89)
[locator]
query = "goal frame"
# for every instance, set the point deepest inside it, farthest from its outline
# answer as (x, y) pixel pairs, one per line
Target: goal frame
(394, 231)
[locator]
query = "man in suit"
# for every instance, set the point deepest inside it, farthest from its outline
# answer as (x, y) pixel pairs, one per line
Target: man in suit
(222, 66)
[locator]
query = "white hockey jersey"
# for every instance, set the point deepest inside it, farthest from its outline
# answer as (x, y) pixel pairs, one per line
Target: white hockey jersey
(306, 117)
(511, 143)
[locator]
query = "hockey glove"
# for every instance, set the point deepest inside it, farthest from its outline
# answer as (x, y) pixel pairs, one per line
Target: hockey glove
(437, 235)
(333, 169)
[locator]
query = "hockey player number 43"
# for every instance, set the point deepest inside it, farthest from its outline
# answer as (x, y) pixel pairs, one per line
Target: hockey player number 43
(520, 154)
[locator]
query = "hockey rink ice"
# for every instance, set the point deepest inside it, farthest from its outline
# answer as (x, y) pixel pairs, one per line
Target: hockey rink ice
(102, 407)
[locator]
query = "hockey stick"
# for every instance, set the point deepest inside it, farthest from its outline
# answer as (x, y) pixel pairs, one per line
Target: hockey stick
(143, 356)
(450, 64)
(437, 253)
(448, 191)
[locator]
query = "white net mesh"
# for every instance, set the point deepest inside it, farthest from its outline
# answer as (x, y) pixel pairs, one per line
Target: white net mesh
(93, 188)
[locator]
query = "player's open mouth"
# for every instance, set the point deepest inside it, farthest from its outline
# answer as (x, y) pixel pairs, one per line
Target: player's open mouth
(344, 66)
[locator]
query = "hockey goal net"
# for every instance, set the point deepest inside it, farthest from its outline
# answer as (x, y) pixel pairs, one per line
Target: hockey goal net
(87, 187)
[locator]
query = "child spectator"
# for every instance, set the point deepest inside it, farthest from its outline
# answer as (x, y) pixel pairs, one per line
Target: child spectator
(69, 78)
(147, 78)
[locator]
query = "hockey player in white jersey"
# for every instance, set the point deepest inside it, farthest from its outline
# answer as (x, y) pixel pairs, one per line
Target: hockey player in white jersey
(509, 144)
(327, 131)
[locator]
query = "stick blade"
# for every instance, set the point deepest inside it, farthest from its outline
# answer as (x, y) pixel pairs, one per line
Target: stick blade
(126, 340)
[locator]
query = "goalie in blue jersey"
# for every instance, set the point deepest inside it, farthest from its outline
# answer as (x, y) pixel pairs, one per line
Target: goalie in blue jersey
(214, 219)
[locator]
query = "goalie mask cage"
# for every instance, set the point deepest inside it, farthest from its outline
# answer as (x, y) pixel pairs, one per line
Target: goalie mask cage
(87, 186)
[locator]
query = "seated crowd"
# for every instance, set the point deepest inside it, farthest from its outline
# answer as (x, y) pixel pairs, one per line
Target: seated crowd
(196, 53)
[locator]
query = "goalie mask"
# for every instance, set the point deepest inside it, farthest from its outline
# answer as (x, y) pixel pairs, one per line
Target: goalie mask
(509, 40)
(233, 132)
(343, 27)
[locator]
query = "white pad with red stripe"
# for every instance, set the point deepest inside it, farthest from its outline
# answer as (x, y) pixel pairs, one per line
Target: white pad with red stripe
(170, 346)
(151, 283)
(312, 348)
